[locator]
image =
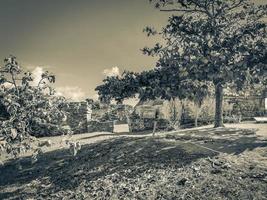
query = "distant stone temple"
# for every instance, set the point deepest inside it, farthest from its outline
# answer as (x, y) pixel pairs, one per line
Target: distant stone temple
(78, 115)
(146, 113)
(148, 109)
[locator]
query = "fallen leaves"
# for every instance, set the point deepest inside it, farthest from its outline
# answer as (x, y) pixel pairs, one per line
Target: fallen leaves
(143, 168)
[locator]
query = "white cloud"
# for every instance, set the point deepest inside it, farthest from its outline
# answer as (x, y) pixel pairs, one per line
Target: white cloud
(131, 101)
(31, 67)
(37, 75)
(95, 97)
(7, 85)
(114, 71)
(71, 93)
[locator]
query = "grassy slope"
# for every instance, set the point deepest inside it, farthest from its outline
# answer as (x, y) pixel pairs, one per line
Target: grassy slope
(146, 168)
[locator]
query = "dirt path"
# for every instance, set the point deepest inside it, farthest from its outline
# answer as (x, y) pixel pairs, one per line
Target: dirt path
(89, 138)
(59, 142)
(261, 127)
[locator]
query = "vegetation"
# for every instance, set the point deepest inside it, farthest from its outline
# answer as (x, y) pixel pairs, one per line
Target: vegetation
(29, 108)
(117, 88)
(208, 44)
(216, 41)
(172, 166)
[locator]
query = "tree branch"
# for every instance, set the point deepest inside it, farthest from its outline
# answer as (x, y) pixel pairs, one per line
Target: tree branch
(14, 82)
(182, 10)
(236, 5)
(39, 83)
(9, 81)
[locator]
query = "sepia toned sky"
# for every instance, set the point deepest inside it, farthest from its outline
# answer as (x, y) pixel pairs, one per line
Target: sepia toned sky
(78, 40)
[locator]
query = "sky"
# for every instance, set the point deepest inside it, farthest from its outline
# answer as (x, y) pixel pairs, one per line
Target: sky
(80, 41)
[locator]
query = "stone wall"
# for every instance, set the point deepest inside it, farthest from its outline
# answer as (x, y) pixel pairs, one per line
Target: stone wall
(144, 115)
(78, 115)
(143, 124)
(96, 126)
(82, 119)
(104, 117)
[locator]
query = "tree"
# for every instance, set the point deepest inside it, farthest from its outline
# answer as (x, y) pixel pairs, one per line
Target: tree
(162, 82)
(217, 41)
(30, 108)
(171, 84)
(118, 88)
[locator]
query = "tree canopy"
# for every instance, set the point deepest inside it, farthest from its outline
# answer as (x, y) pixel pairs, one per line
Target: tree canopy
(217, 41)
(118, 88)
(208, 44)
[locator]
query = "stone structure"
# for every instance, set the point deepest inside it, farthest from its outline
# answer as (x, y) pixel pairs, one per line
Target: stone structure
(147, 110)
(106, 117)
(78, 115)
(81, 118)
(249, 106)
(96, 126)
(144, 115)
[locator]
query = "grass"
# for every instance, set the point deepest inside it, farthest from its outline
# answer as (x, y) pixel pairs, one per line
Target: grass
(171, 167)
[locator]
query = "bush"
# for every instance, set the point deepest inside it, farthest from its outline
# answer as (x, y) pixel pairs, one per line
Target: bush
(31, 109)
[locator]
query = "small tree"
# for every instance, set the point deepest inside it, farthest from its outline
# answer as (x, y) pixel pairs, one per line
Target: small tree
(199, 92)
(175, 110)
(29, 108)
(217, 41)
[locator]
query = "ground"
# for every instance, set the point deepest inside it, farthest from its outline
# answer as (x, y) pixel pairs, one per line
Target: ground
(202, 163)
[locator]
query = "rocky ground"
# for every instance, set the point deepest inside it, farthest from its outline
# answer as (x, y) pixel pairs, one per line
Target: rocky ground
(205, 163)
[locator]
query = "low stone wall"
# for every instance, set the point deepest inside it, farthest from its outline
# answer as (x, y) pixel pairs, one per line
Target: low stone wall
(143, 124)
(96, 126)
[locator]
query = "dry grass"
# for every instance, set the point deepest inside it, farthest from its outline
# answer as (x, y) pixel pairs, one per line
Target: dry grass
(172, 167)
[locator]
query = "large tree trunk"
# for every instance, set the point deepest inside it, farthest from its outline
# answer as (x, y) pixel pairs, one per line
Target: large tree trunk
(218, 106)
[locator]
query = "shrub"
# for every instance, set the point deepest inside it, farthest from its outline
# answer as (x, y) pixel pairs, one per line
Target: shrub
(31, 109)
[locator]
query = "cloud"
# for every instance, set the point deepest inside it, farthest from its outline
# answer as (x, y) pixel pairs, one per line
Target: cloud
(71, 93)
(7, 85)
(114, 71)
(132, 101)
(37, 75)
(31, 67)
(95, 97)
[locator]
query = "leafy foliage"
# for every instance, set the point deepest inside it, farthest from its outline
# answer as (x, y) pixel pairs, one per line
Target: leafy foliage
(166, 83)
(30, 108)
(222, 42)
(118, 88)
(214, 43)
